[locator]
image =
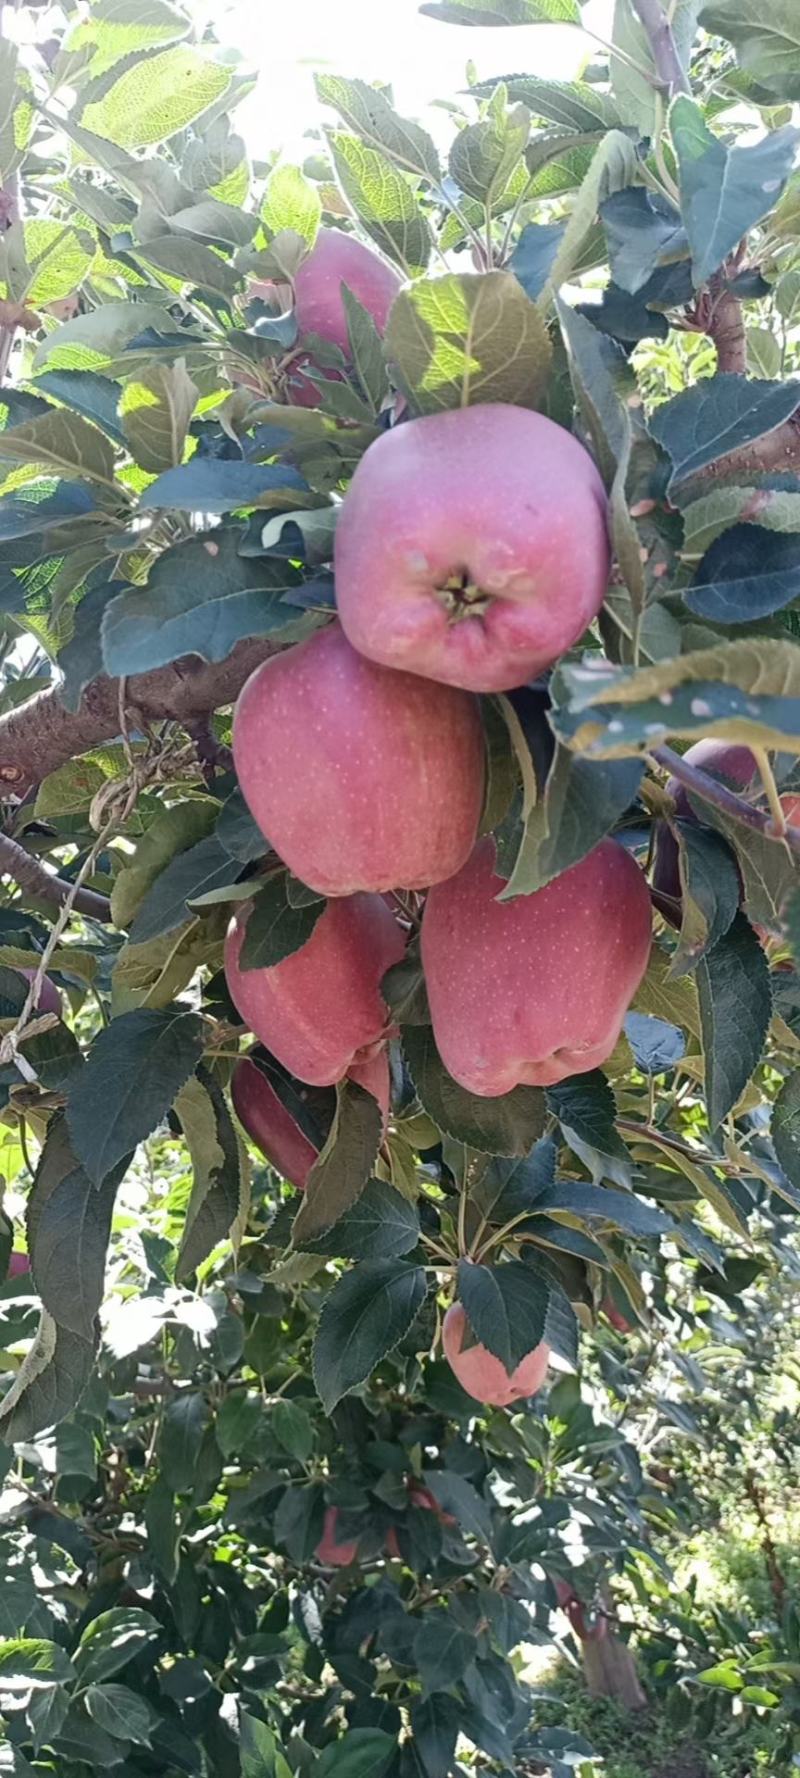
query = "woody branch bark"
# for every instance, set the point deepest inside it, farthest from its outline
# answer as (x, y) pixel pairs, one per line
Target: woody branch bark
(31, 875)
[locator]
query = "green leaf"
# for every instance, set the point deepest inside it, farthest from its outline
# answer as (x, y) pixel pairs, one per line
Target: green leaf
(206, 485)
(572, 104)
(586, 1110)
(68, 1228)
(173, 831)
(747, 690)
(84, 1741)
(162, 1526)
(46, 260)
(381, 1224)
(49, 1383)
(122, 1713)
(156, 407)
(508, 1125)
(46, 1713)
(293, 1429)
(613, 165)
(459, 339)
(748, 573)
(506, 1306)
(154, 99)
(368, 1312)
(735, 1008)
(111, 1640)
(275, 926)
(186, 878)
(16, 109)
(121, 28)
(63, 443)
(503, 12)
(786, 1128)
(582, 802)
(436, 1721)
(766, 37)
(643, 231)
(366, 355)
(724, 191)
(202, 597)
(442, 1651)
(344, 1165)
(573, 1197)
(258, 1750)
(720, 414)
(484, 155)
(361, 1753)
(26, 1660)
(219, 1187)
(135, 1068)
(179, 1441)
(93, 341)
(710, 893)
(291, 201)
(366, 111)
(384, 201)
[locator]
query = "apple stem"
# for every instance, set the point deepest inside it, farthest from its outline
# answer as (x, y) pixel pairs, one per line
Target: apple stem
(726, 800)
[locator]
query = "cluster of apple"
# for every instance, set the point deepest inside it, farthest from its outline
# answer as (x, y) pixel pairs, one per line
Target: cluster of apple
(471, 551)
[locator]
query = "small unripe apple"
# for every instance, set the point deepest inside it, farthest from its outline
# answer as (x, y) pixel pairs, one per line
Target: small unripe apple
(530, 991)
(724, 760)
(49, 998)
(329, 1551)
(482, 1375)
(320, 1010)
(269, 1122)
(472, 547)
(336, 259)
(360, 778)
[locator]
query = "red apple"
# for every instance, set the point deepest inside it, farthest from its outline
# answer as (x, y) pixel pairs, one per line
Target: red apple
(329, 1550)
(49, 999)
(472, 547)
(336, 259)
(481, 1374)
(270, 1124)
(360, 778)
(529, 991)
(392, 1546)
(724, 760)
(321, 1011)
(18, 1265)
(618, 1321)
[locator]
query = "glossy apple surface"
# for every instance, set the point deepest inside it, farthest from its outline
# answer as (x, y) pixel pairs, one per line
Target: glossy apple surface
(329, 1550)
(472, 547)
(320, 1010)
(361, 779)
(481, 1374)
(734, 766)
(530, 991)
(336, 259)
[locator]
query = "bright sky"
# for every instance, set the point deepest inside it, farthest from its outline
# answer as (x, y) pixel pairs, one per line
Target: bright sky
(389, 40)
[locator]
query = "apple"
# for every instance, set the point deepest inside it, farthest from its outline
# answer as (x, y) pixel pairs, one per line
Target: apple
(530, 991)
(320, 1010)
(18, 1265)
(727, 761)
(482, 1375)
(472, 547)
(336, 259)
(361, 779)
(49, 998)
(618, 1321)
(329, 1551)
(271, 1126)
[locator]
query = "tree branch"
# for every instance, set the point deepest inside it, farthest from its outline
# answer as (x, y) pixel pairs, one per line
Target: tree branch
(30, 874)
(663, 48)
(726, 329)
(726, 800)
(41, 735)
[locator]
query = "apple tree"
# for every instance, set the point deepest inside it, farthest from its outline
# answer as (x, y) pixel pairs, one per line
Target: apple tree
(398, 753)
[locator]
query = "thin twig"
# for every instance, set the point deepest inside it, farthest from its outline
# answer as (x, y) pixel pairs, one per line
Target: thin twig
(31, 875)
(661, 37)
(725, 800)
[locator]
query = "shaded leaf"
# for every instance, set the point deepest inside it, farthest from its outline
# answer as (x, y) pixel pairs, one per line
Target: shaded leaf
(135, 1068)
(586, 1110)
(724, 191)
(367, 1313)
(506, 1306)
(735, 1008)
(508, 1125)
(339, 1175)
(219, 1187)
(718, 415)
